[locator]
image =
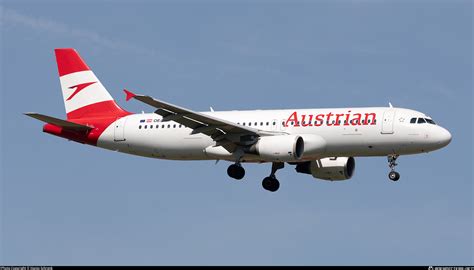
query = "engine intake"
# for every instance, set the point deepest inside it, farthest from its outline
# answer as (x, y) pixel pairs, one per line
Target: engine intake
(340, 168)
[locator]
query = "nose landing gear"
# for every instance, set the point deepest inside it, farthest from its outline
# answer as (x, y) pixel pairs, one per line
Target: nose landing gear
(393, 175)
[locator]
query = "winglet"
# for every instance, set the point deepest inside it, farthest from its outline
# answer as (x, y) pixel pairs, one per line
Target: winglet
(129, 95)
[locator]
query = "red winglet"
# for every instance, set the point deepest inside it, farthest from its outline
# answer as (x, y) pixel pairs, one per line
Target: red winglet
(129, 95)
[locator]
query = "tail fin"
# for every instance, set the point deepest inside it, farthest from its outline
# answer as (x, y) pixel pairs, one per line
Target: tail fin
(84, 95)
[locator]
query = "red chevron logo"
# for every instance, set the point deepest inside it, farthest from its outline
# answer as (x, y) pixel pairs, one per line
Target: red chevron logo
(78, 88)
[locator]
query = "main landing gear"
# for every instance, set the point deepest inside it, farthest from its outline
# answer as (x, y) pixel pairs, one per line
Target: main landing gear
(270, 183)
(236, 171)
(393, 175)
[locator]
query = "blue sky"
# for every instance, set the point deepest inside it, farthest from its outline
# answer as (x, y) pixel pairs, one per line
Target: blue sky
(64, 203)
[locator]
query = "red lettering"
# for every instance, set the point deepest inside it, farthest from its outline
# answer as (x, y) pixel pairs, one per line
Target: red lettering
(307, 124)
(307, 119)
(356, 121)
(319, 120)
(372, 122)
(293, 118)
(337, 118)
(329, 117)
(346, 122)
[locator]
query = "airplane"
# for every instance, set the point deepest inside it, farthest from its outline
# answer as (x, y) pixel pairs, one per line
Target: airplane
(318, 142)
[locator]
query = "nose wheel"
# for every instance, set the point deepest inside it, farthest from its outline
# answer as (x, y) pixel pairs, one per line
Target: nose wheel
(393, 175)
(271, 183)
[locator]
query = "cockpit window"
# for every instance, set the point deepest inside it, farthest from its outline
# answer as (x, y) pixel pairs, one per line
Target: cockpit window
(430, 121)
(422, 121)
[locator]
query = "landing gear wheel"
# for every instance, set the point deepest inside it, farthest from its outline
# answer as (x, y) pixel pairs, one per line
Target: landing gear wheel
(271, 184)
(236, 171)
(394, 176)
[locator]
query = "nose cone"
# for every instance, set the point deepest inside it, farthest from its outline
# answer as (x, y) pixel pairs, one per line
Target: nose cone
(443, 137)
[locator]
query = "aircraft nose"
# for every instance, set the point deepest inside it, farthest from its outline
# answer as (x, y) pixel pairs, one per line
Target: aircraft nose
(444, 137)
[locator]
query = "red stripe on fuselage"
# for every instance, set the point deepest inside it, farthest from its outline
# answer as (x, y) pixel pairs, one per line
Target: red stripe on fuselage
(89, 137)
(99, 116)
(101, 109)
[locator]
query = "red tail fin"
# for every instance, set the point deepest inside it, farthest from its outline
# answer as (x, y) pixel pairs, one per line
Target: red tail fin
(84, 95)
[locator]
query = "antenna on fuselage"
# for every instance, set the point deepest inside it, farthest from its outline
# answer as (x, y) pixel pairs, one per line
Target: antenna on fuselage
(390, 104)
(212, 110)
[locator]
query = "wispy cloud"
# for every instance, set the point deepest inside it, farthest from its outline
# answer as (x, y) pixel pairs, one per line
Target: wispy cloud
(13, 17)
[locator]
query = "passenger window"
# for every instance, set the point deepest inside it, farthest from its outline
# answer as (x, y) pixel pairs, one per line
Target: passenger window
(413, 120)
(421, 121)
(268, 123)
(151, 126)
(274, 123)
(256, 123)
(250, 124)
(174, 126)
(261, 123)
(157, 126)
(162, 126)
(140, 127)
(243, 123)
(145, 126)
(169, 126)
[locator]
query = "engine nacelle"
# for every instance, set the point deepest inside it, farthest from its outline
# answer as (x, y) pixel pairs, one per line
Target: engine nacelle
(314, 146)
(340, 168)
(279, 148)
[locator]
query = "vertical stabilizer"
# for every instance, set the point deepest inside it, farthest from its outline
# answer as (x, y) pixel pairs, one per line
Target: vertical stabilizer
(84, 95)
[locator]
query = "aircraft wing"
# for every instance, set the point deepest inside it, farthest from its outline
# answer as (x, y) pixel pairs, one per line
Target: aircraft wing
(222, 131)
(59, 122)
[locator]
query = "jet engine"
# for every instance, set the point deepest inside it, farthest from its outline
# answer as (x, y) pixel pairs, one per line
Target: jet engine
(279, 148)
(338, 168)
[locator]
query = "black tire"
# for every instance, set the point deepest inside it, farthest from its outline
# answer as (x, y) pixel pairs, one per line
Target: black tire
(270, 184)
(394, 176)
(235, 171)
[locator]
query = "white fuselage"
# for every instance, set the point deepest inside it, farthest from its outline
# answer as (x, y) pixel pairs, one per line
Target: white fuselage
(346, 132)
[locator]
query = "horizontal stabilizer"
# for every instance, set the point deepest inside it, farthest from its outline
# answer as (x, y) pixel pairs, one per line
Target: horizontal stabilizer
(59, 122)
